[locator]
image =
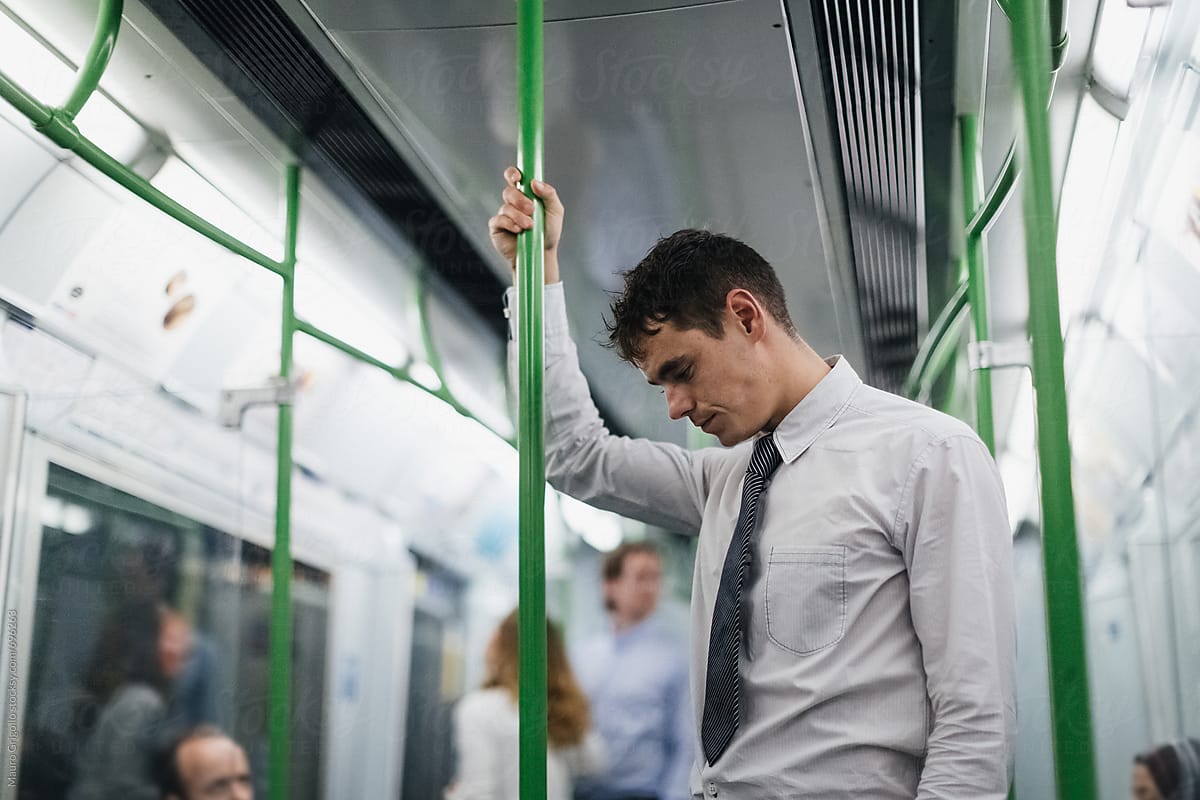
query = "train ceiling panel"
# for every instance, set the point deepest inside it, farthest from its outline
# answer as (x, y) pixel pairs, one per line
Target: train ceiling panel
(374, 16)
(654, 122)
(660, 115)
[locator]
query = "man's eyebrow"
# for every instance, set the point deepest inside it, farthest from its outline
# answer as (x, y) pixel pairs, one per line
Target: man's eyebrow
(667, 371)
(225, 781)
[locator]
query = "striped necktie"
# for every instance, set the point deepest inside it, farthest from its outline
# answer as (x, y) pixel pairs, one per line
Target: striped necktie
(722, 684)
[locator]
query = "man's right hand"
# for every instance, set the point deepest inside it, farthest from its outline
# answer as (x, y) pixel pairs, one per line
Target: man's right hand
(516, 215)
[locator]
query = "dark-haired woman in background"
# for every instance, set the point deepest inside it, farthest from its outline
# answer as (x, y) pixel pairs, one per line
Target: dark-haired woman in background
(141, 649)
(486, 725)
(1170, 772)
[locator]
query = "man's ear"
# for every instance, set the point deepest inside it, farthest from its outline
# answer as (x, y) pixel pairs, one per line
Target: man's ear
(747, 313)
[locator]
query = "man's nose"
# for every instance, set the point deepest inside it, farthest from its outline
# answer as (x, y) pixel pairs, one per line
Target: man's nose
(679, 402)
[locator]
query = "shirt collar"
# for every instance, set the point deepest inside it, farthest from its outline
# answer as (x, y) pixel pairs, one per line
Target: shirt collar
(818, 411)
(637, 631)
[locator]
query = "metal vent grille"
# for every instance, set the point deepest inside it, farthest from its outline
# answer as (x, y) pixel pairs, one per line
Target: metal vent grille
(260, 54)
(871, 52)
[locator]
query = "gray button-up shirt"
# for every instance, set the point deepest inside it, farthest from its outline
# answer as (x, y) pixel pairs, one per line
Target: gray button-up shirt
(880, 660)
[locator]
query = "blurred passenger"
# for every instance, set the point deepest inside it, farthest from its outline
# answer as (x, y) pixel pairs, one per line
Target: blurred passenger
(174, 642)
(195, 698)
(486, 725)
(140, 651)
(1170, 772)
(205, 764)
(635, 676)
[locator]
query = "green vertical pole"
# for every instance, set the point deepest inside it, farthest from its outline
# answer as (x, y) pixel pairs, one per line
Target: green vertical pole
(968, 128)
(279, 701)
(1070, 712)
(530, 280)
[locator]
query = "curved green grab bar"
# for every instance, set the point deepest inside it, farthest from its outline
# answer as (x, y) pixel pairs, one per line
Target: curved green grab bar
(969, 134)
(925, 367)
(997, 196)
(108, 25)
(1059, 35)
(64, 133)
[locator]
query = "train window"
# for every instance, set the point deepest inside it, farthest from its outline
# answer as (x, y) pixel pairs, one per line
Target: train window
(1089, 166)
(435, 679)
(147, 623)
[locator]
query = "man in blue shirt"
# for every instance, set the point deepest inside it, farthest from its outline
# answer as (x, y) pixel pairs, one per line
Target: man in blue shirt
(636, 678)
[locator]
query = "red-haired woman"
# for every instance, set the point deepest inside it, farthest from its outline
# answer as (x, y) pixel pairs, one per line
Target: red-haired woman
(486, 725)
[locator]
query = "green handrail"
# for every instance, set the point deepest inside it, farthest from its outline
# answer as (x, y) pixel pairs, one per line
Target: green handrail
(926, 370)
(108, 25)
(968, 128)
(399, 372)
(1059, 37)
(62, 132)
(1070, 712)
(932, 357)
(997, 196)
(280, 702)
(531, 621)
(24, 102)
(434, 359)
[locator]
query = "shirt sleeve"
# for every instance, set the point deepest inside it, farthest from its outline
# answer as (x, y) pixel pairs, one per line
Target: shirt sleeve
(478, 776)
(655, 482)
(681, 746)
(589, 757)
(957, 545)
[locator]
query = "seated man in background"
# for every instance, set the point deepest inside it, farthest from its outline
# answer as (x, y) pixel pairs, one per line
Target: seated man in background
(205, 764)
(635, 676)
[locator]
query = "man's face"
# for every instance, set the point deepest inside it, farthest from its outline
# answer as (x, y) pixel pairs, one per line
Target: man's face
(214, 768)
(716, 383)
(1144, 787)
(174, 644)
(634, 593)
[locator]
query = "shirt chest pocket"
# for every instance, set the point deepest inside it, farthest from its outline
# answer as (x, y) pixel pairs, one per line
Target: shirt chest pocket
(806, 598)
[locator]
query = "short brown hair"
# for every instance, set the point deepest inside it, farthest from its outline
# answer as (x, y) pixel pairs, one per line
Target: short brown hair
(684, 280)
(614, 562)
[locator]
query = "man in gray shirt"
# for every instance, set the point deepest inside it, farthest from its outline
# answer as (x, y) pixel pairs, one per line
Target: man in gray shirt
(852, 608)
